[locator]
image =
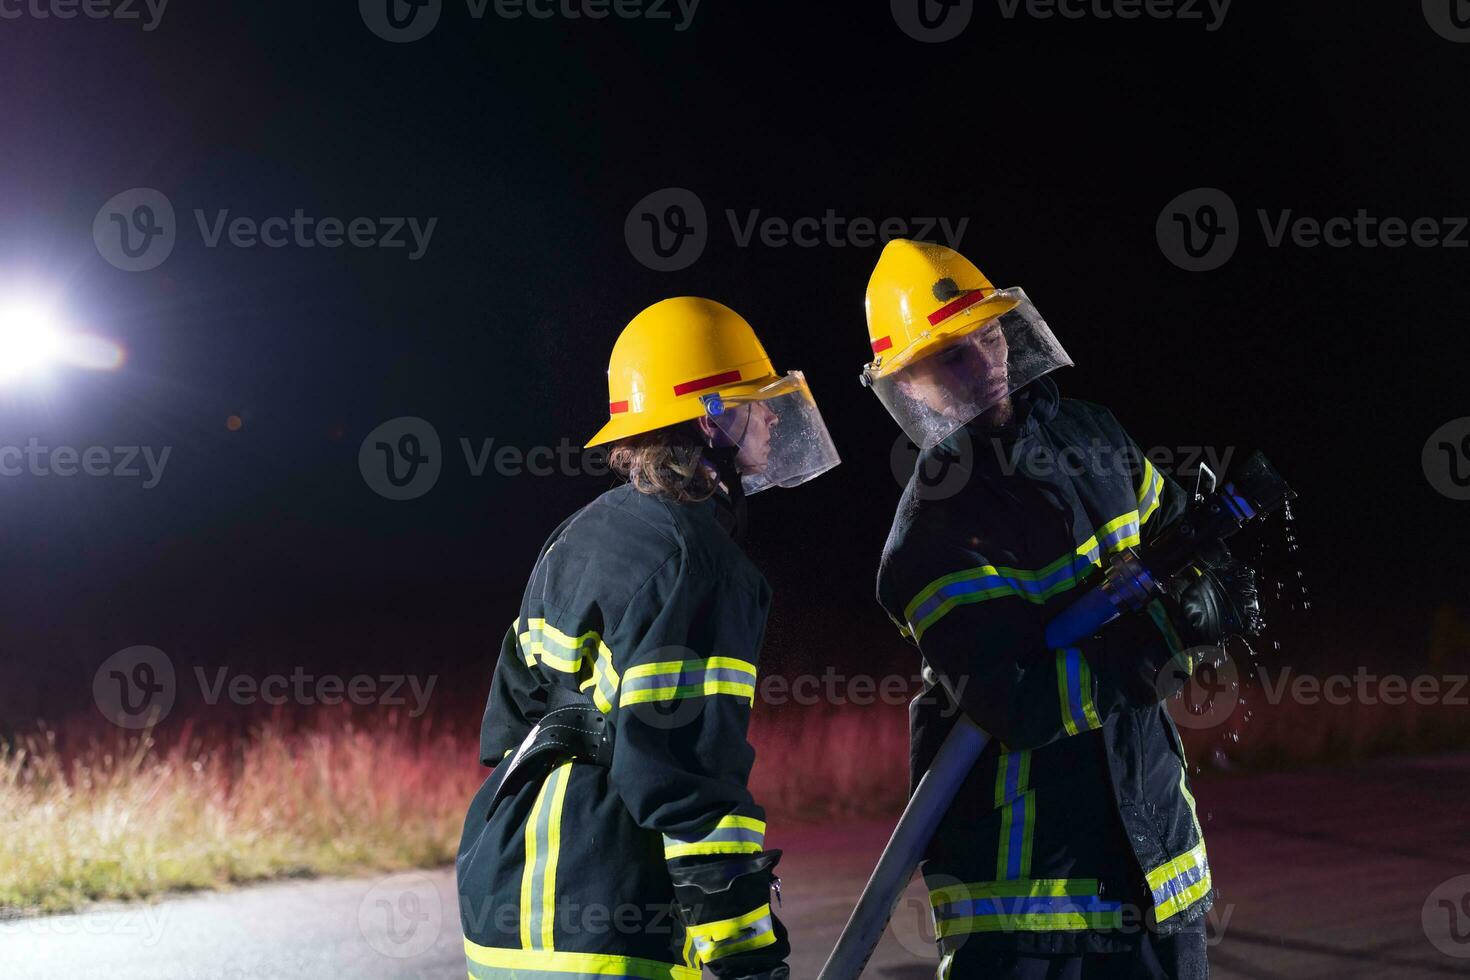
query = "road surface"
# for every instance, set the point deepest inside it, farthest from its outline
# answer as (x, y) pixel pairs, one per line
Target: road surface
(1341, 874)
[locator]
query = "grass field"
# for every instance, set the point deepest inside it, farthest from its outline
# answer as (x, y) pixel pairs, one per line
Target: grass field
(128, 816)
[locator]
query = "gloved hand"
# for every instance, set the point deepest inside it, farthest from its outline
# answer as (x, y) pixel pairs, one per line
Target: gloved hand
(1218, 601)
(712, 893)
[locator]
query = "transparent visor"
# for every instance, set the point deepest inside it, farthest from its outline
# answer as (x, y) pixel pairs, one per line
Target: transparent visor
(780, 437)
(962, 377)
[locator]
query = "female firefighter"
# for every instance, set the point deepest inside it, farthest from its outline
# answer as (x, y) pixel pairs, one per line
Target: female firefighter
(616, 836)
(1074, 849)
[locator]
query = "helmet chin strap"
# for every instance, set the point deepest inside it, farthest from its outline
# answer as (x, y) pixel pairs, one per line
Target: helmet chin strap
(723, 460)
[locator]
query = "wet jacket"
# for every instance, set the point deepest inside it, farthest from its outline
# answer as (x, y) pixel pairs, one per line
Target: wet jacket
(651, 615)
(1076, 831)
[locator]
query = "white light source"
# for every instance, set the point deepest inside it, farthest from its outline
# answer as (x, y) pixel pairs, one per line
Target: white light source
(33, 339)
(30, 340)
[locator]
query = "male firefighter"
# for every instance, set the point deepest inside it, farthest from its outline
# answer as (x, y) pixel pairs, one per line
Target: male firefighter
(616, 836)
(1074, 849)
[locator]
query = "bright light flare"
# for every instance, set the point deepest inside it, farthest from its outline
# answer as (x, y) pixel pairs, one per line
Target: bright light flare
(30, 340)
(33, 339)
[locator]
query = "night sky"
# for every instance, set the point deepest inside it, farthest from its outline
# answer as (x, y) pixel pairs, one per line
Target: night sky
(1059, 141)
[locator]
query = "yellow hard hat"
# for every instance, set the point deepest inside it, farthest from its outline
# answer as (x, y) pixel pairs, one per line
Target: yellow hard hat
(671, 356)
(922, 295)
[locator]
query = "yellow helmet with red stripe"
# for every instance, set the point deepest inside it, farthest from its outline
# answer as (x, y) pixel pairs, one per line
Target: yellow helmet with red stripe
(922, 295)
(671, 357)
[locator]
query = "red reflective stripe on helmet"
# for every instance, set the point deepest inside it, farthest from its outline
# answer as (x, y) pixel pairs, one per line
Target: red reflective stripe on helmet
(617, 408)
(712, 381)
(882, 344)
(958, 306)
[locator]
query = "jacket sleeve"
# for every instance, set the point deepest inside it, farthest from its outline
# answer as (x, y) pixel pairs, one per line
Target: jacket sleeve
(686, 651)
(514, 705)
(982, 628)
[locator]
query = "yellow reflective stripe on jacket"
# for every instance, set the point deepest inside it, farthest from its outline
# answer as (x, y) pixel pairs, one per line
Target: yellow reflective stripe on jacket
(1030, 905)
(985, 582)
(717, 940)
(585, 657)
(1150, 492)
(543, 849)
(673, 680)
(1180, 883)
(1074, 689)
(730, 835)
(492, 963)
(1017, 806)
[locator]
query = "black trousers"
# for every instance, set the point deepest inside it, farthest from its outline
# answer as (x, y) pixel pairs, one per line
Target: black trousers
(1178, 957)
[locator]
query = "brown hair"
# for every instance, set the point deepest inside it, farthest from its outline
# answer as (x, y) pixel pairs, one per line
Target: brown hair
(666, 462)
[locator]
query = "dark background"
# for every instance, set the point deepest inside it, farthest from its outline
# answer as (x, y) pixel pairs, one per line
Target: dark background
(529, 140)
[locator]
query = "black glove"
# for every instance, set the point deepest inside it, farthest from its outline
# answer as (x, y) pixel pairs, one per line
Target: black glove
(714, 889)
(1218, 601)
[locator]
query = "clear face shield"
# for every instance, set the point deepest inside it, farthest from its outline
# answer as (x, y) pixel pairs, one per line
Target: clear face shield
(779, 435)
(949, 383)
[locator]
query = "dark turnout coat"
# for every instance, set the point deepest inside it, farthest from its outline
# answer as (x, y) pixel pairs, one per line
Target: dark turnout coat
(1077, 831)
(647, 610)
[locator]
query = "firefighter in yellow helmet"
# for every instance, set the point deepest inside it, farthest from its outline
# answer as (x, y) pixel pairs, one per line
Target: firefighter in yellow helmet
(616, 836)
(1074, 849)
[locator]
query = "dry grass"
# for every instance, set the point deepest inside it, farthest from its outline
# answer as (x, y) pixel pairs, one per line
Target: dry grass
(129, 817)
(125, 817)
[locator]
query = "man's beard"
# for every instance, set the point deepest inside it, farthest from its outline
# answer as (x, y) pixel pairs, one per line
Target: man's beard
(999, 415)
